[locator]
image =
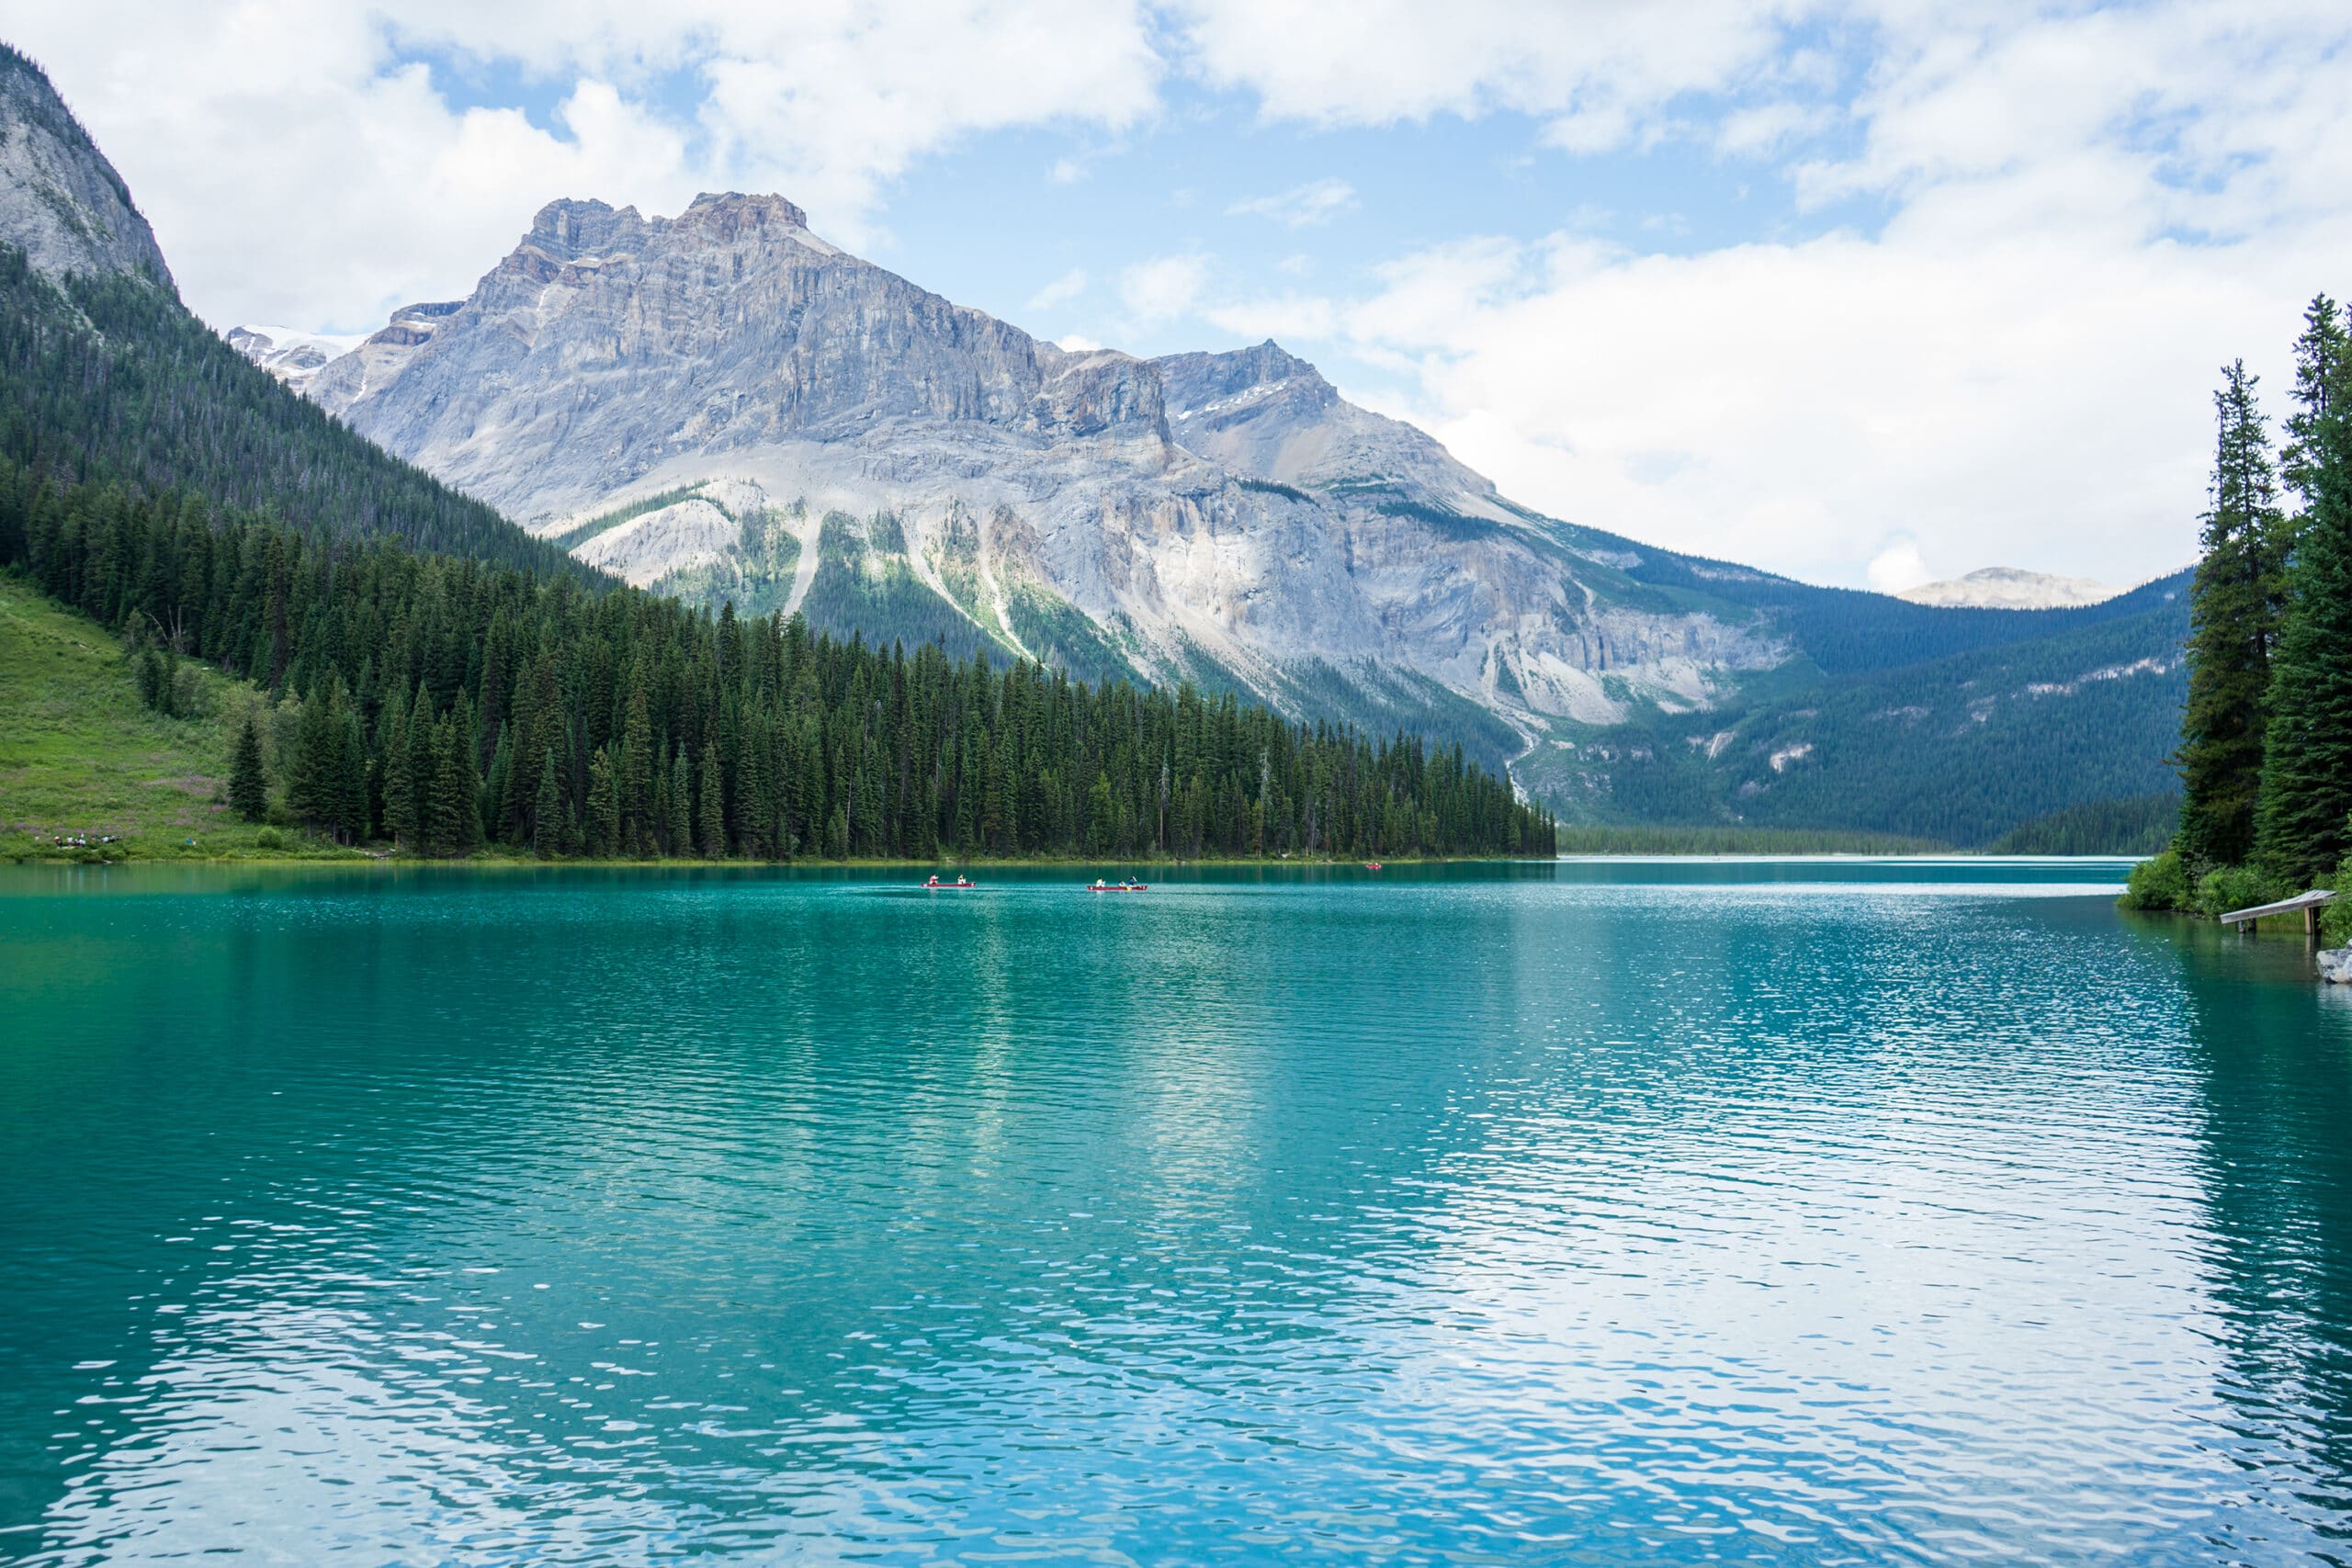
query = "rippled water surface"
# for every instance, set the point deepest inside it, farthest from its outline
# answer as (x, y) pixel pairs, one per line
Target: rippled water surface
(1598, 1213)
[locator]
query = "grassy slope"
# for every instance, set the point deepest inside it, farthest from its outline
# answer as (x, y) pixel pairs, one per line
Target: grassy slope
(79, 753)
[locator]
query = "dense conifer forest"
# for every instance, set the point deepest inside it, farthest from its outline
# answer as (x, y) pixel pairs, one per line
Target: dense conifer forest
(2266, 752)
(110, 377)
(447, 704)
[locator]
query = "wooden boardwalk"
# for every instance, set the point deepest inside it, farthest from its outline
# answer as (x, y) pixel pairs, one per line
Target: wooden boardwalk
(2309, 903)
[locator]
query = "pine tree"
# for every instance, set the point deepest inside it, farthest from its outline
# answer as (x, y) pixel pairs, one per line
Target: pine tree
(2320, 377)
(547, 812)
(2233, 611)
(2307, 760)
(424, 767)
(351, 779)
(466, 787)
(637, 773)
(682, 805)
(398, 776)
(311, 791)
(451, 799)
(248, 785)
(603, 804)
(710, 824)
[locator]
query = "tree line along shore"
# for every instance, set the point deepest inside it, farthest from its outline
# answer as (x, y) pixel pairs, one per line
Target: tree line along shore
(2266, 746)
(445, 707)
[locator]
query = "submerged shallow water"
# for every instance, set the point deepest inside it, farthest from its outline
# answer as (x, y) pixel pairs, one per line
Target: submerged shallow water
(1606, 1212)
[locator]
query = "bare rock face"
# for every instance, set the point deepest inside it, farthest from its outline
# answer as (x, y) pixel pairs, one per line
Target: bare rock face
(60, 202)
(723, 404)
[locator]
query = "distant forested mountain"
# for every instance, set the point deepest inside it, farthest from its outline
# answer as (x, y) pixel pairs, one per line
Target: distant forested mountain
(1959, 749)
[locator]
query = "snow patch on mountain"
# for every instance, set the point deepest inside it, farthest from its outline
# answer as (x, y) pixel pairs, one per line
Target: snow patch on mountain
(290, 353)
(2006, 588)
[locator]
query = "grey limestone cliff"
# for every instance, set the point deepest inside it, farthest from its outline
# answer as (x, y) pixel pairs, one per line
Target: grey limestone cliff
(689, 400)
(60, 202)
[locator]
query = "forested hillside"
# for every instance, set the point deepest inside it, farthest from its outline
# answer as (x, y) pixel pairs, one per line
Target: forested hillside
(1959, 750)
(1846, 631)
(108, 377)
(448, 703)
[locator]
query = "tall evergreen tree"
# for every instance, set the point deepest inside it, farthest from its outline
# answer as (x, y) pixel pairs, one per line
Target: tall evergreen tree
(399, 777)
(547, 812)
(351, 779)
(710, 820)
(637, 773)
(2234, 614)
(2320, 376)
(2307, 761)
(451, 799)
(603, 804)
(248, 785)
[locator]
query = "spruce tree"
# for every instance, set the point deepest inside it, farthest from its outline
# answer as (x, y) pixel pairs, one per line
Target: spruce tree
(451, 799)
(248, 785)
(399, 777)
(2320, 376)
(547, 812)
(351, 779)
(637, 773)
(2307, 761)
(710, 825)
(603, 804)
(2233, 609)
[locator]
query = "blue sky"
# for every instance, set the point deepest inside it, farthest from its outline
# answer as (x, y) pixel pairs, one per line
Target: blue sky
(1864, 290)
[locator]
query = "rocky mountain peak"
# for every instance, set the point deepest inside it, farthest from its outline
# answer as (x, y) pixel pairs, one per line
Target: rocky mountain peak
(569, 230)
(60, 202)
(1197, 379)
(769, 207)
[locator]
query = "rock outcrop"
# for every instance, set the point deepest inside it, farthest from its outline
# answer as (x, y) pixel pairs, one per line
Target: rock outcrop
(60, 202)
(1229, 517)
(2335, 966)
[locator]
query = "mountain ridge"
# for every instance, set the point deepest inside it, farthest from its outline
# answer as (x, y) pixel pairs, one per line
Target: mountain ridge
(1227, 518)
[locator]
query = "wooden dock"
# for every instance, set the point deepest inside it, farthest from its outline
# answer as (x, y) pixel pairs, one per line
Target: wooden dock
(2309, 903)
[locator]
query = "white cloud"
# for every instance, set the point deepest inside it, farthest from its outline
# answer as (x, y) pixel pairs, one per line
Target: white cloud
(1301, 207)
(2088, 215)
(1898, 567)
(1597, 69)
(1066, 172)
(1767, 128)
(294, 168)
(1061, 291)
(1077, 343)
(1165, 287)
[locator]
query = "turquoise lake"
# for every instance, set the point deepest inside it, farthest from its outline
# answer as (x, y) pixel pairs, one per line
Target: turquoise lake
(1815, 1212)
